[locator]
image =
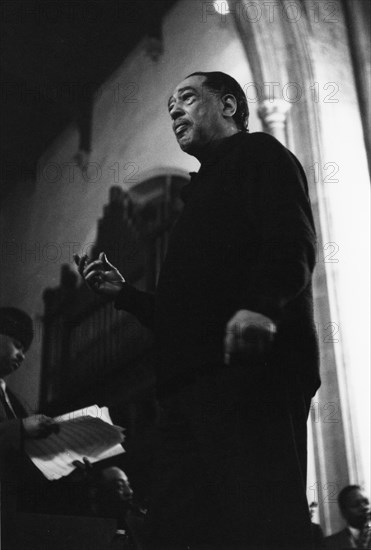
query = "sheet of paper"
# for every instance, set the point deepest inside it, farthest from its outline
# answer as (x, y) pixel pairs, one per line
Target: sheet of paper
(86, 433)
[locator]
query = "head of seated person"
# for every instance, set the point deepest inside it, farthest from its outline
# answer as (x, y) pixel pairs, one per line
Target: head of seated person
(16, 334)
(112, 494)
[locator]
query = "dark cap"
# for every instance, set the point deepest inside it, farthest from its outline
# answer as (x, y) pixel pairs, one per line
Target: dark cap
(17, 324)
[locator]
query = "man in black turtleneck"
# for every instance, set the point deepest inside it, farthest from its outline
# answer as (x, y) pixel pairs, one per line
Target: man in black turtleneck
(233, 320)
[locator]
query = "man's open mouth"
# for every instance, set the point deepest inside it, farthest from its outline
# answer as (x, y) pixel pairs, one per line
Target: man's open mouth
(181, 128)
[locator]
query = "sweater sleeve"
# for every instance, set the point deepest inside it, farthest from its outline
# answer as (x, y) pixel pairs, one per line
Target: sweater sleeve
(140, 304)
(287, 241)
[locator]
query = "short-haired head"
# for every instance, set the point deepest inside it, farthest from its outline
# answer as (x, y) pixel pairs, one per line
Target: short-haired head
(344, 493)
(354, 506)
(17, 324)
(113, 483)
(112, 473)
(222, 84)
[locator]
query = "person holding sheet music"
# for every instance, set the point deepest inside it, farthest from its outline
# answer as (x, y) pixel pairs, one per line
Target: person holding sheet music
(16, 470)
(16, 334)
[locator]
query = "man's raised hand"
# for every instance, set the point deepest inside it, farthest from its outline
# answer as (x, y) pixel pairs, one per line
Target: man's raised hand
(100, 276)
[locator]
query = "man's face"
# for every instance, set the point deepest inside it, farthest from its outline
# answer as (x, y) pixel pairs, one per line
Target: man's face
(11, 354)
(357, 508)
(196, 114)
(117, 485)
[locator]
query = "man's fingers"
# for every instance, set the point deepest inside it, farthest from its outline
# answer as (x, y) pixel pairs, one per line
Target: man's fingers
(80, 262)
(85, 267)
(83, 263)
(93, 276)
(79, 465)
(229, 344)
(246, 339)
(95, 265)
(87, 463)
(106, 263)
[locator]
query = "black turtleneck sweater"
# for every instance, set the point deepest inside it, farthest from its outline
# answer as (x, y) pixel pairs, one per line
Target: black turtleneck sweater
(245, 240)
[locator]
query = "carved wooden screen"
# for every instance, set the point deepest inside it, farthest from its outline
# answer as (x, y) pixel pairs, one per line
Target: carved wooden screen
(89, 348)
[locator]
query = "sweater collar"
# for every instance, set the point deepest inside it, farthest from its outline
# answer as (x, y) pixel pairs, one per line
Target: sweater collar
(220, 149)
(215, 153)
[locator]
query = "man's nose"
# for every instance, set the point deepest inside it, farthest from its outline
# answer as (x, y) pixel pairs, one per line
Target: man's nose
(176, 111)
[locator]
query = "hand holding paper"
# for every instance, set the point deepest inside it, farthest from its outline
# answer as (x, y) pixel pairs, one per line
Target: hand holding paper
(85, 433)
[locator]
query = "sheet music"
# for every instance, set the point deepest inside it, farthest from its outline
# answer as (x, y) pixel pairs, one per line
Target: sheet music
(88, 432)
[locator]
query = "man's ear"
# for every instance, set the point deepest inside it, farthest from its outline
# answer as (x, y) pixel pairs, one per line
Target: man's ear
(229, 105)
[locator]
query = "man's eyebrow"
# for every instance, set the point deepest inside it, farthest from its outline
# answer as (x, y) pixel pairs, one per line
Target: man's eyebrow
(181, 90)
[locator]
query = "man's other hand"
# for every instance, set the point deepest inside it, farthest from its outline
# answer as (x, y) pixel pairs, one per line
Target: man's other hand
(39, 426)
(83, 470)
(249, 334)
(100, 276)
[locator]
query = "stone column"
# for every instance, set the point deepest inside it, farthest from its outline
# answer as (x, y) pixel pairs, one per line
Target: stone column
(273, 113)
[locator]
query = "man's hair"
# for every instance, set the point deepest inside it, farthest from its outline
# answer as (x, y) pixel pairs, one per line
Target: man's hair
(17, 324)
(344, 493)
(221, 84)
